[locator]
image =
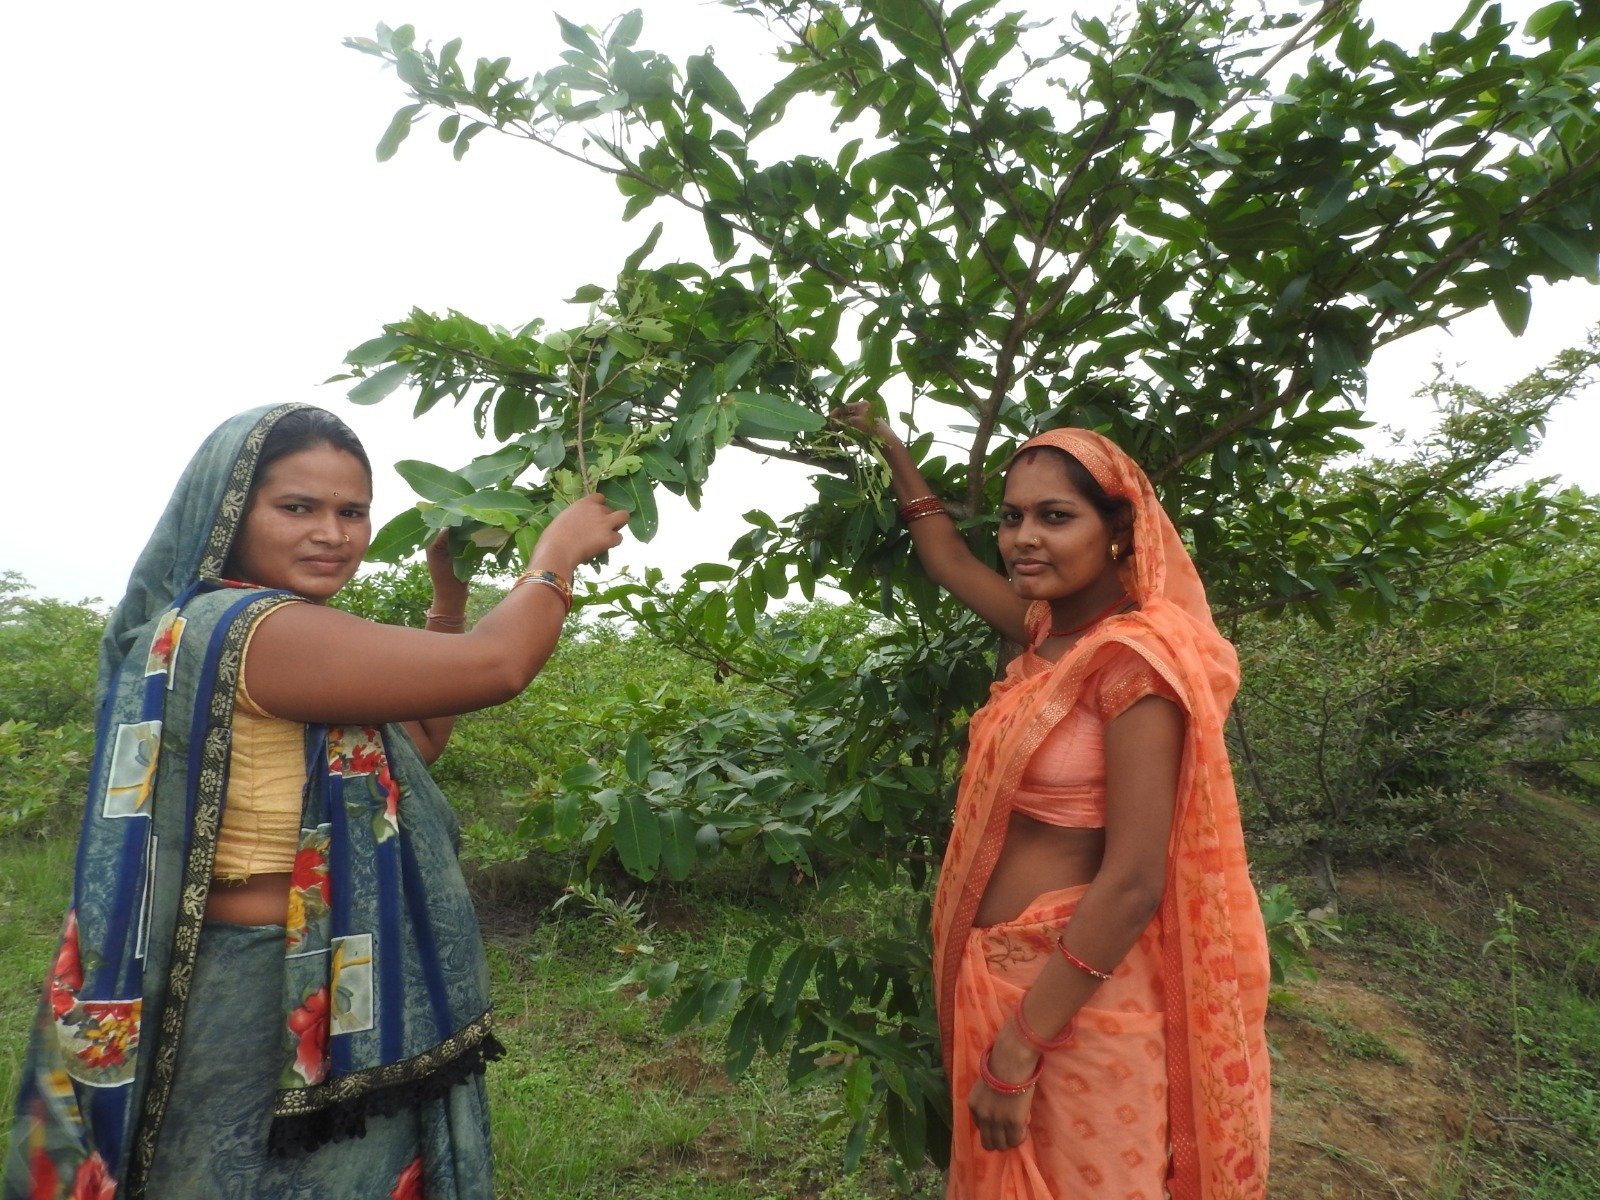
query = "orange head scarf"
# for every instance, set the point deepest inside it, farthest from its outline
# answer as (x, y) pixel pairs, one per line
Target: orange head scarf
(1215, 966)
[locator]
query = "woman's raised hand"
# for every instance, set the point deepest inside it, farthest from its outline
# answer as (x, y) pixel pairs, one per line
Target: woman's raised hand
(449, 593)
(584, 529)
(858, 414)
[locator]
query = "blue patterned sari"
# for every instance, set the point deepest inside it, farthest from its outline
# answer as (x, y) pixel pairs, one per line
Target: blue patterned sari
(174, 1058)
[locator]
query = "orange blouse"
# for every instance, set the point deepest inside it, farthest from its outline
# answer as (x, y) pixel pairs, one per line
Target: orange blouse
(1064, 782)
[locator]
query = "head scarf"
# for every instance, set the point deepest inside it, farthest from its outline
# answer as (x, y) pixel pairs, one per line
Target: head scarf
(385, 985)
(1215, 968)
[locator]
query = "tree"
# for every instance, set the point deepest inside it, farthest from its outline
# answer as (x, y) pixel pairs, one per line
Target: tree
(1188, 226)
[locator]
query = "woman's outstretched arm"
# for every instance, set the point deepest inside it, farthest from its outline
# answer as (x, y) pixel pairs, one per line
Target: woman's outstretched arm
(941, 549)
(311, 663)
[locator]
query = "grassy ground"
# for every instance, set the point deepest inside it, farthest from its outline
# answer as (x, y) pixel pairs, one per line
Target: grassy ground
(1450, 1047)
(591, 1101)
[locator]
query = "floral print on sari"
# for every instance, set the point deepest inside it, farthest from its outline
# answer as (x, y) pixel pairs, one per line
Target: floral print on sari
(358, 754)
(164, 649)
(310, 893)
(308, 1041)
(409, 1185)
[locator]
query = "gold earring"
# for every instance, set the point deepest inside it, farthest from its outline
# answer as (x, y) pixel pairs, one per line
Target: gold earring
(1116, 551)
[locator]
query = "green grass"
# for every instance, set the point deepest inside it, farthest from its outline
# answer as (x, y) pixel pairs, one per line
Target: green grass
(35, 887)
(592, 1100)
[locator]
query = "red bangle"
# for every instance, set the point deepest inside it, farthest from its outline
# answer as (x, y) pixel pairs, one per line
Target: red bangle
(922, 506)
(1040, 1044)
(1072, 958)
(1002, 1086)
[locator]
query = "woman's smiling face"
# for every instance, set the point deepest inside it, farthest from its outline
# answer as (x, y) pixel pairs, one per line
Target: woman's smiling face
(309, 524)
(1054, 542)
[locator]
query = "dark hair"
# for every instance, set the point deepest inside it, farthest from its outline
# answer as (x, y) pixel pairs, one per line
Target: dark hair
(1116, 511)
(301, 430)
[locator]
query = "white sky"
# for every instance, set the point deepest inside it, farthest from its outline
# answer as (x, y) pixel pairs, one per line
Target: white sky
(197, 224)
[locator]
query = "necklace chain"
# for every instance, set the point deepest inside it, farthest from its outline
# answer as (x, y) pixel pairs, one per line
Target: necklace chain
(1094, 620)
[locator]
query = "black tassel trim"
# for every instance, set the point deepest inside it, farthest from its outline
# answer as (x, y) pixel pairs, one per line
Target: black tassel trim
(302, 1133)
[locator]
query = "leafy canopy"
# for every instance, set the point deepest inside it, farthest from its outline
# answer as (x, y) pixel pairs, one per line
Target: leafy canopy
(1189, 226)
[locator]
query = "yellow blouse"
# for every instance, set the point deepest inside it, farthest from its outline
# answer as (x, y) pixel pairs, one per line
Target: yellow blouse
(266, 778)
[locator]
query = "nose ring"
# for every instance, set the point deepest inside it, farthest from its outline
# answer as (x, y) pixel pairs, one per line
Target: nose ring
(347, 539)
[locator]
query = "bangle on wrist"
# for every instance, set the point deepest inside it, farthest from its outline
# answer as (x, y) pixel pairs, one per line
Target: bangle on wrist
(922, 506)
(550, 579)
(1004, 1086)
(1072, 958)
(1041, 1044)
(449, 622)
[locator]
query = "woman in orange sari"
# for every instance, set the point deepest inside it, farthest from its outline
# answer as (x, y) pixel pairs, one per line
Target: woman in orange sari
(1099, 954)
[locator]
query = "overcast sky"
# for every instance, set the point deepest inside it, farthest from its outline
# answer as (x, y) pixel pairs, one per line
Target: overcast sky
(196, 224)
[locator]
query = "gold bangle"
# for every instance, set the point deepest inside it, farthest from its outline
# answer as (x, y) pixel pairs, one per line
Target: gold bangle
(549, 579)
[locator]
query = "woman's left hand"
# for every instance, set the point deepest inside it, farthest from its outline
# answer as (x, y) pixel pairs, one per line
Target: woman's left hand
(1002, 1120)
(449, 593)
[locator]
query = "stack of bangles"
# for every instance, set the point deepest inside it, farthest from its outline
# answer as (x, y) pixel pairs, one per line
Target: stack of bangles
(1027, 1033)
(922, 506)
(551, 580)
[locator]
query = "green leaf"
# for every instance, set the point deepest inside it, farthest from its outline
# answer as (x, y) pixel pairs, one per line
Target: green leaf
(433, 483)
(659, 978)
(706, 80)
(1544, 19)
(376, 350)
(497, 506)
(465, 140)
(719, 1000)
(720, 234)
(378, 385)
(636, 494)
(638, 836)
(581, 775)
(737, 363)
(626, 32)
(765, 416)
(399, 127)
(399, 537)
(576, 37)
(1564, 248)
(686, 1007)
(678, 834)
(1514, 305)
(744, 606)
(744, 1037)
(637, 757)
(912, 29)
(568, 816)
(501, 467)
(792, 977)
(643, 252)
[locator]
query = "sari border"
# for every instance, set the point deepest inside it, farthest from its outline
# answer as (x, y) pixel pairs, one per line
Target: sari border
(346, 1089)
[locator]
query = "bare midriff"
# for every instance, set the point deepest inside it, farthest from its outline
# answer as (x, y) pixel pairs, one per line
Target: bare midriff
(1037, 858)
(259, 900)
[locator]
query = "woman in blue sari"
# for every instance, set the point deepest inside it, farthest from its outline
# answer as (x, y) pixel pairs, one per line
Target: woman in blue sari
(270, 983)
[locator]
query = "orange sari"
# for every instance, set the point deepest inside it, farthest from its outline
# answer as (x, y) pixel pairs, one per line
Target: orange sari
(1205, 955)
